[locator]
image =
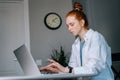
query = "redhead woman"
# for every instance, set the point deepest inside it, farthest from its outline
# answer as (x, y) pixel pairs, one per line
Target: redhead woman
(90, 52)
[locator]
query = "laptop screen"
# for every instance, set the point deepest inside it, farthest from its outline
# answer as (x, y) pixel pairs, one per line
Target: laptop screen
(26, 61)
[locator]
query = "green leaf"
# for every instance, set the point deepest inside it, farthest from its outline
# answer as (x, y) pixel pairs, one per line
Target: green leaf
(60, 56)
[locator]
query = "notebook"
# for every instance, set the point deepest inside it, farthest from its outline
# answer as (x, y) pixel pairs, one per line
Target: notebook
(30, 68)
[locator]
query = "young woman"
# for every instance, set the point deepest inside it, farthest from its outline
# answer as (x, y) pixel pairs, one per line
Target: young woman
(90, 52)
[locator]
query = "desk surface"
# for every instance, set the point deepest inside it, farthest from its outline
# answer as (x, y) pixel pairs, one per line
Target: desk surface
(46, 76)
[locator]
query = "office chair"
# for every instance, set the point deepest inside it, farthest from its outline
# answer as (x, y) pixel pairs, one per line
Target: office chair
(116, 58)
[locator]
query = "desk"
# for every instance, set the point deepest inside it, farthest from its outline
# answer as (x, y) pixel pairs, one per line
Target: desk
(47, 76)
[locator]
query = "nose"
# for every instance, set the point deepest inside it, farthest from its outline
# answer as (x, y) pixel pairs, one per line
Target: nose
(69, 28)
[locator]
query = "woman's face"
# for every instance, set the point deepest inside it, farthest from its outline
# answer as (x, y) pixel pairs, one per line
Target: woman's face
(74, 25)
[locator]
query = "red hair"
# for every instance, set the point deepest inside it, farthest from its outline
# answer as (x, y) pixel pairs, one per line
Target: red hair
(78, 13)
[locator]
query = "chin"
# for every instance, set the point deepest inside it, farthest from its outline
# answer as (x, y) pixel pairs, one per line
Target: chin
(75, 35)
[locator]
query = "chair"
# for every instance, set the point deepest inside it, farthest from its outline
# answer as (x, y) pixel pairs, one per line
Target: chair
(116, 58)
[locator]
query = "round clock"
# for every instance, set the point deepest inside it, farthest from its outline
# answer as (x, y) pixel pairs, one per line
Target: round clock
(53, 21)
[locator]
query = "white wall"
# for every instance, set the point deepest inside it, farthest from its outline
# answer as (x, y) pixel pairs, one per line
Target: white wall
(43, 40)
(11, 36)
(14, 31)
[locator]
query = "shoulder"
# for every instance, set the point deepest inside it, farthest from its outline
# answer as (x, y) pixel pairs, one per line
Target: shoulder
(96, 35)
(93, 36)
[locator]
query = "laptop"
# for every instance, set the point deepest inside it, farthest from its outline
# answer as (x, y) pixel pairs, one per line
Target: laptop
(30, 68)
(26, 61)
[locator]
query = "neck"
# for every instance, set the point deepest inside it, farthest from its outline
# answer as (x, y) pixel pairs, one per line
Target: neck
(82, 33)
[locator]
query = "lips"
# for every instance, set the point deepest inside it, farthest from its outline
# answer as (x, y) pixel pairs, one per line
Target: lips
(72, 32)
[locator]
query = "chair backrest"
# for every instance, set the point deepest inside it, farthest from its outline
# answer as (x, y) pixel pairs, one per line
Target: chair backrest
(116, 56)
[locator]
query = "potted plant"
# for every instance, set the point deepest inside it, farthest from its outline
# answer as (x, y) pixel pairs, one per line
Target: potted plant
(60, 56)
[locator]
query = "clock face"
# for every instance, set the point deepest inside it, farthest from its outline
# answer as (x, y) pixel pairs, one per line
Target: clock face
(53, 21)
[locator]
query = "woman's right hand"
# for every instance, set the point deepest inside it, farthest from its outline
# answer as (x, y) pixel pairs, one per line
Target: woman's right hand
(54, 67)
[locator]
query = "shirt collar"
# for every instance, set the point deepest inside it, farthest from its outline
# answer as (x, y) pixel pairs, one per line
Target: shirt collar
(86, 37)
(88, 34)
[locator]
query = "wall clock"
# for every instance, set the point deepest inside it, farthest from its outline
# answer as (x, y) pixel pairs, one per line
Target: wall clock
(52, 21)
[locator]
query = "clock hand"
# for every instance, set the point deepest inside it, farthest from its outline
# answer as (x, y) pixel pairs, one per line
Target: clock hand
(54, 20)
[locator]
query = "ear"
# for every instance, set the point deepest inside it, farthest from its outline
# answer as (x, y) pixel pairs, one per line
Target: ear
(82, 22)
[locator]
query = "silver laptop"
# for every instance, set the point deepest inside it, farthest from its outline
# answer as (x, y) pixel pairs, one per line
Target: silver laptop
(26, 61)
(30, 68)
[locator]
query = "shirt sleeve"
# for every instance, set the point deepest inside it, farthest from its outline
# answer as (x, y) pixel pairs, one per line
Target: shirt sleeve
(72, 61)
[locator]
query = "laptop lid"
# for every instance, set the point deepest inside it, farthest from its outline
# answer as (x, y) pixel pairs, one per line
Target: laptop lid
(26, 61)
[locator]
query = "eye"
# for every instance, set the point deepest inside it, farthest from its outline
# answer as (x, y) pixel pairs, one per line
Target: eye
(71, 24)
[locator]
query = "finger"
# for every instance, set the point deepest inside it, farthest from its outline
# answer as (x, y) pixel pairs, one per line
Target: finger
(51, 65)
(53, 70)
(49, 69)
(42, 68)
(52, 61)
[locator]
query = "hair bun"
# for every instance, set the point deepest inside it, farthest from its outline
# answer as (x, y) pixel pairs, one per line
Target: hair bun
(78, 6)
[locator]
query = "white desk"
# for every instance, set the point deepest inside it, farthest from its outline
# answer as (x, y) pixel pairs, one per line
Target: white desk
(48, 76)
